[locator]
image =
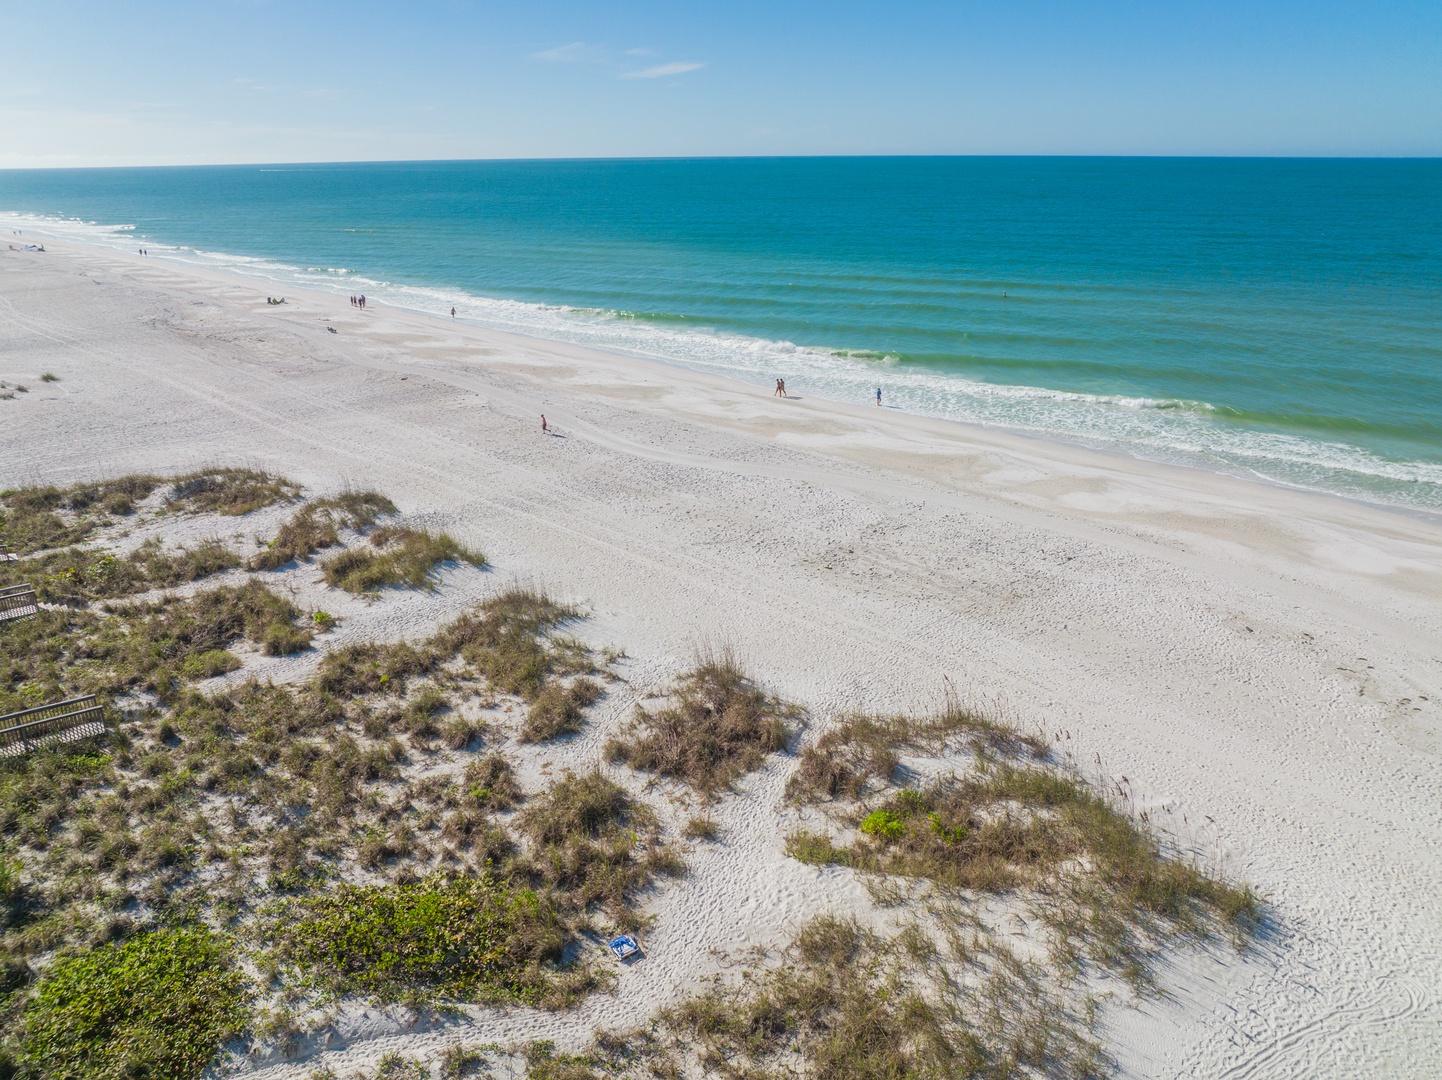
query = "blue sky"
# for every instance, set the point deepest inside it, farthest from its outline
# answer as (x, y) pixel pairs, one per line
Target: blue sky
(128, 82)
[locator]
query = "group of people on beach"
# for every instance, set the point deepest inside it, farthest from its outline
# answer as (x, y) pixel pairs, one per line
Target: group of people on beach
(143, 251)
(358, 301)
(781, 391)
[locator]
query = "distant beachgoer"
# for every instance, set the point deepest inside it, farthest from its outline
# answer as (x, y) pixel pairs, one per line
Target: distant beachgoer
(878, 396)
(1003, 294)
(363, 300)
(544, 429)
(780, 389)
(453, 313)
(332, 329)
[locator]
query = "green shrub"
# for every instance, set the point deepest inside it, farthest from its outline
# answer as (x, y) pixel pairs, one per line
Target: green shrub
(158, 1006)
(883, 824)
(209, 664)
(464, 938)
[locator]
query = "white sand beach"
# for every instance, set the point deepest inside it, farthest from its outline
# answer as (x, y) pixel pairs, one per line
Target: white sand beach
(1262, 665)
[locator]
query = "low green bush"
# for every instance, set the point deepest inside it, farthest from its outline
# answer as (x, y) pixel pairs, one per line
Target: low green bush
(157, 1006)
(463, 938)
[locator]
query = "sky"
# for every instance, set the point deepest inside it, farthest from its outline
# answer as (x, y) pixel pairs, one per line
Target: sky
(152, 82)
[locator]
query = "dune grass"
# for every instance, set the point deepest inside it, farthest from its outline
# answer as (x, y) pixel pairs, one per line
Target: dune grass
(1010, 822)
(593, 846)
(848, 1002)
(397, 557)
(45, 517)
(559, 710)
(232, 492)
(718, 727)
(316, 526)
(84, 575)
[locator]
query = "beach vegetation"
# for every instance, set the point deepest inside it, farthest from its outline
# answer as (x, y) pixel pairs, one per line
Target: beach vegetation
(847, 1001)
(44, 517)
(316, 526)
(231, 492)
(81, 575)
(159, 1004)
(455, 937)
(397, 557)
(717, 727)
(1008, 822)
(559, 709)
(593, 846)
(49, 376)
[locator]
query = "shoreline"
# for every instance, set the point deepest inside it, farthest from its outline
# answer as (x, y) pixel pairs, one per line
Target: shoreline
(1194, 458)
(1196, 632)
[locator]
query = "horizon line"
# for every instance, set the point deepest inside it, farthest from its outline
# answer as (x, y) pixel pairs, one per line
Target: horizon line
(729, 157)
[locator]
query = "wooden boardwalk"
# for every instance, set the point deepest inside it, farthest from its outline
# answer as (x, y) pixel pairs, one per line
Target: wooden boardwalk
(17, 602)
(60, 721)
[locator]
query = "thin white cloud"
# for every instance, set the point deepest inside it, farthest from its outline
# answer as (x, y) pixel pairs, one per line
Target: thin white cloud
(660, 71)
(641, 52)
(567, 54)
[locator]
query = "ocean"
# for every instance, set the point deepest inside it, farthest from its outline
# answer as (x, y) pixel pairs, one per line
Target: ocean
(1273, 318)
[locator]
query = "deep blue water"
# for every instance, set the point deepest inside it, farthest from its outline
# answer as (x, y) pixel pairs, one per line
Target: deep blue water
(1280, 318)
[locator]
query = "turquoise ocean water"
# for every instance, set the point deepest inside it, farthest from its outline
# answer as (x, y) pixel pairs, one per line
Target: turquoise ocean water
(1271, 318)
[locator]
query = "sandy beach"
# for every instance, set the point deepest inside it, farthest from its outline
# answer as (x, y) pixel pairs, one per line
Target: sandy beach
(1262, 665)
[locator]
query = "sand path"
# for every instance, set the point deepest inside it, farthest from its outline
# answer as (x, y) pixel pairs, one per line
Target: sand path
(1264, 666)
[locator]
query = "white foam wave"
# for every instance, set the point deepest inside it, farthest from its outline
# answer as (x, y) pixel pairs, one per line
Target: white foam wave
(1166, 429)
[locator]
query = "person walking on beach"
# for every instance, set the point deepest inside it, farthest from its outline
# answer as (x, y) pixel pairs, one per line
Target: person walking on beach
(362, 300)
(544, 429)
(878, 397)
(780, 388)
(453, 313)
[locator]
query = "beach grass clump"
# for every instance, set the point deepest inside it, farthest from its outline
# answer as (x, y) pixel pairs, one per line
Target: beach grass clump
(459, 937)
(160, 1004)
(83, 575)
(231, 492)
(559, 710)
(1104, 883)
(370, 668)
(43, 517)
(398, 557)
(847, 1001)
(511, 641)
(490, 782)
(316, 526)
(593, 846)
(862, 751)
(718, 727)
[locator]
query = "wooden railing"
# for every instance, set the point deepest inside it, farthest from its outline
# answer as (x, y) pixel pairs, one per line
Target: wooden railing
(6, 555)
(17, 602)
(61, 721)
